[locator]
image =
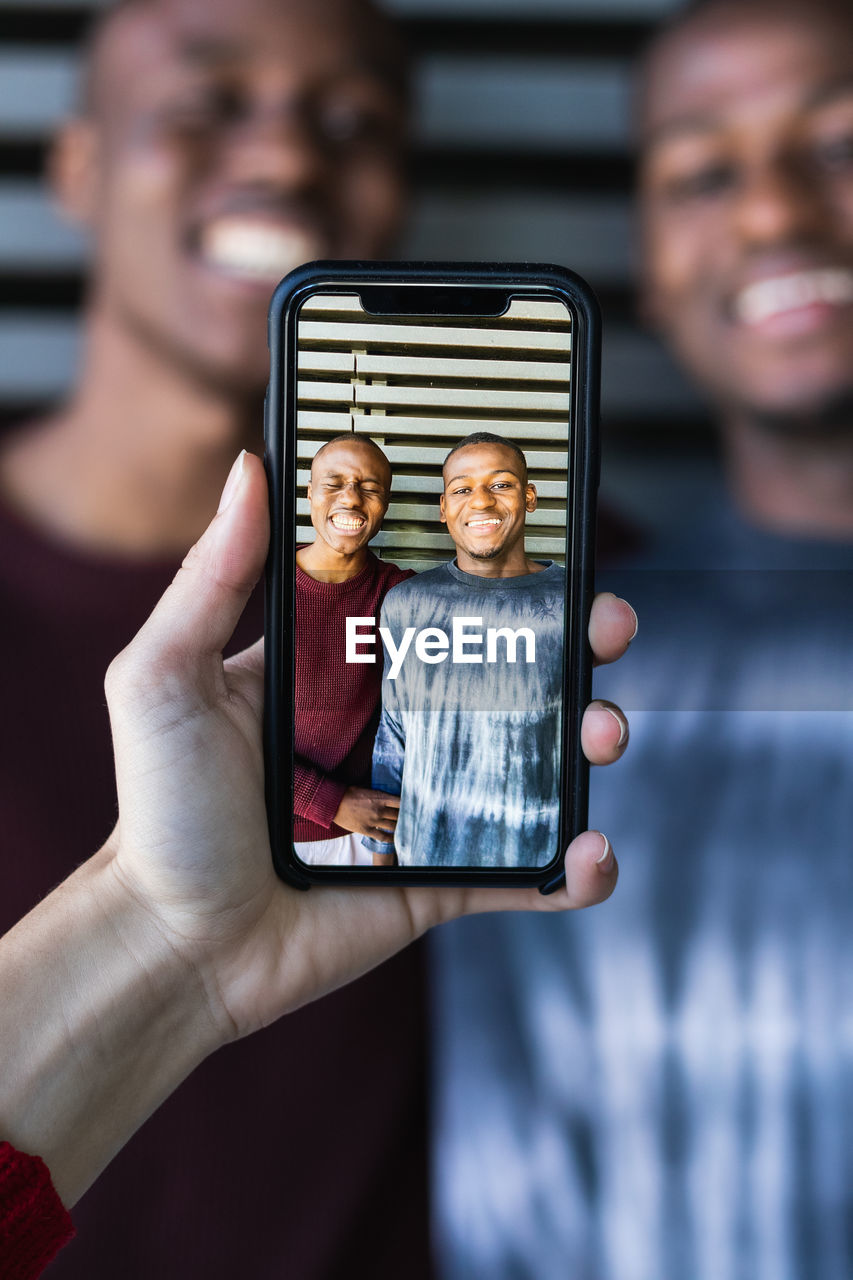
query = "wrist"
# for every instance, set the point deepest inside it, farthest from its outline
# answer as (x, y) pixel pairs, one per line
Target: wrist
(164, 971)
(100, 1019)
(170, 972)
(327, 801)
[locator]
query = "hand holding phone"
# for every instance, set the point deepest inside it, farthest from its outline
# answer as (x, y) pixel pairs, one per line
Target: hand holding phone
(184, 888)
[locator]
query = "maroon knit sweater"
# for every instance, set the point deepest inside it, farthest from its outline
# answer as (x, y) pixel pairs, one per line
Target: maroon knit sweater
(337, 702)
(300, 1151)
(34, 1223)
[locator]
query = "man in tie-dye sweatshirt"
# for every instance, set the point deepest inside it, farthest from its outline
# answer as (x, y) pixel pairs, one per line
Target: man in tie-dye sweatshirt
(472, 684)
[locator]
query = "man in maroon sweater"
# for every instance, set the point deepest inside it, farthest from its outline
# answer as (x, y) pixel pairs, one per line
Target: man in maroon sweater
(219, 144)
(337, 702)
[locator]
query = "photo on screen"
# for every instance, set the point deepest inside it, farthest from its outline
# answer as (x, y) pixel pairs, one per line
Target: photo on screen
(445, 442)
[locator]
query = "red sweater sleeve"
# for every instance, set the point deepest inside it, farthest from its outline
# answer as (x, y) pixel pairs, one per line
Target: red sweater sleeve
(34, 1223)
(315, 795)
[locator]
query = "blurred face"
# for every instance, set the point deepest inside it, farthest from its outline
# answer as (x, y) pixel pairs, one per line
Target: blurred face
(349, 491)
(485, 502)
(236, 140)
(746, 191)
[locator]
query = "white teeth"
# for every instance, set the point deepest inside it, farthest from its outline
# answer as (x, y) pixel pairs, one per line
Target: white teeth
(343, 522)
(767, 298)
(479, 522)
(257, 249)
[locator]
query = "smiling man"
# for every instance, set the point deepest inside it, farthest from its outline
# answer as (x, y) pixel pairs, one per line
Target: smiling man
(661, 1091)
(336, 701)
(472, 692)
(218, 144)
(746, 212)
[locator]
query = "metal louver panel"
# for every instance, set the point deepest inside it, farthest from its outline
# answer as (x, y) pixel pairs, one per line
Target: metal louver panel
(416, 387)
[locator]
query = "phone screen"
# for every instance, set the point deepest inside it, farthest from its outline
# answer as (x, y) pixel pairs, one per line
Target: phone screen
(432, 547)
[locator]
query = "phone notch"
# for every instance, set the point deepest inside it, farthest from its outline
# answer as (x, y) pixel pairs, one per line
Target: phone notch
(434, 300)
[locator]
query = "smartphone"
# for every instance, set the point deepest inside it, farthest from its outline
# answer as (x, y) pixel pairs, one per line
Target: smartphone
(432, 451)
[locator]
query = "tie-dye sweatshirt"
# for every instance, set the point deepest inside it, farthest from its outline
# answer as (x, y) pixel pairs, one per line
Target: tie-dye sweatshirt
(471, 740)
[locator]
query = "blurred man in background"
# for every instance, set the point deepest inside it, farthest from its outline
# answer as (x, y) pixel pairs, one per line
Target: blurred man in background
(661, 1089)
(219, 144)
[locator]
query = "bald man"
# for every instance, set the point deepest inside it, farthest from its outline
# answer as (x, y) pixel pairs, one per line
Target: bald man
(336, 701)
(219, 144)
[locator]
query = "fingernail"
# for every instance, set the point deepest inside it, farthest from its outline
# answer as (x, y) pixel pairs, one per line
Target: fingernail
(623, 726)
(235, 475)
(636, 619)
(605, 862)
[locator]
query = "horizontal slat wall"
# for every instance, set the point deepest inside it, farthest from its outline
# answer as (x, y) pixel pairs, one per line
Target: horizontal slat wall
(522, 152)
(404, 386)
(34, 240)
(553, 103)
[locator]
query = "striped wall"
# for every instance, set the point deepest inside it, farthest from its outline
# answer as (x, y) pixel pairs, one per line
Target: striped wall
(417, 388)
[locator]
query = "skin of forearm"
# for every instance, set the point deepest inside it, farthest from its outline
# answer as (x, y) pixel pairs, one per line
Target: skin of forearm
(96, 1032)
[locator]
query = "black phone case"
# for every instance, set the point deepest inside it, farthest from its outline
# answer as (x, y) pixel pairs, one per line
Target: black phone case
(280, 433)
